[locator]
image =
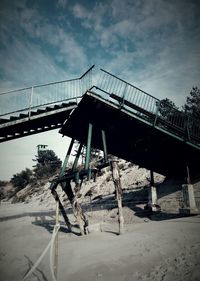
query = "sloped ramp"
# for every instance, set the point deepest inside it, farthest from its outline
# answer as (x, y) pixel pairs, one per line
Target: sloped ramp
(131, 137)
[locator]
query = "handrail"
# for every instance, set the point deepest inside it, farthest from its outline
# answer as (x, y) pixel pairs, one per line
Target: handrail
(87, 71)
(125, 95)
(128, 83)
(48, 84)
(158, 112)
(25, 99)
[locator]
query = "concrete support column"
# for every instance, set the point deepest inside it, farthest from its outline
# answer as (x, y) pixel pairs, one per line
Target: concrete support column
(189, 203)
(153, 198)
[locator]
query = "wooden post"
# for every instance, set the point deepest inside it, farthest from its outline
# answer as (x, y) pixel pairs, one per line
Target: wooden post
(62, 210)
(118, 189)
(79, 215)
(78, 212)
(76, 207)
(56, 242)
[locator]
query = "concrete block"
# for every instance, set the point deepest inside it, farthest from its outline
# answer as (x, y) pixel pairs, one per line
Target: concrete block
(94, 228)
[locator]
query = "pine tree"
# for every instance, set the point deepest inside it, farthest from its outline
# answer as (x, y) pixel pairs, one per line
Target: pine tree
(47, 163)
(192, 105)
(167, 108)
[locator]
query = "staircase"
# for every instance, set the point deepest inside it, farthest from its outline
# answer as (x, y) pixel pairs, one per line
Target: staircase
(40, 108)
(34, 122)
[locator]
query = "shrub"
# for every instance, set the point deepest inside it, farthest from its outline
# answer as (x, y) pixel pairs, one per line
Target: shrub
(47, 164)
(20, 180)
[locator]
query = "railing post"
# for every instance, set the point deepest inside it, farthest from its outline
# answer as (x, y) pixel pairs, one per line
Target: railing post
(157, 111)
(123, 97)
(187, 127)
(30, 102)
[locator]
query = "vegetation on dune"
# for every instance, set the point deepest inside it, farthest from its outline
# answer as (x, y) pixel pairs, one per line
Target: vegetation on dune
(168, 108)
(192, 104)
(47, 164)
(20, 180)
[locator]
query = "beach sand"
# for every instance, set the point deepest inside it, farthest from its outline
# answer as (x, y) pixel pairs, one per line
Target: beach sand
(159, 249)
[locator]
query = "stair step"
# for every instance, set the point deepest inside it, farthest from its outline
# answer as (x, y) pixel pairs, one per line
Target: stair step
(49, 108)
(3, 120)
(41, 111)
(12, 118)
(32, 113)
(65, 104)
(22, 115)
(57, 106)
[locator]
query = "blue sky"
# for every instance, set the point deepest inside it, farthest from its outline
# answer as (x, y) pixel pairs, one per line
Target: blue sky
(154, 44)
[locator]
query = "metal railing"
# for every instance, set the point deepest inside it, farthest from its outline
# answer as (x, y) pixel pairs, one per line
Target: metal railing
(158, 112)
(42, 95)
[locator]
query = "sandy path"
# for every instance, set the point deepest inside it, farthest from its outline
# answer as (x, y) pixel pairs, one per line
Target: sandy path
(159, 250)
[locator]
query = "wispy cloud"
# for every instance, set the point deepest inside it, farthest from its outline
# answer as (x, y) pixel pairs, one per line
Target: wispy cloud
(62, 3)
(26, 64)
(34, 50)
(153, 44)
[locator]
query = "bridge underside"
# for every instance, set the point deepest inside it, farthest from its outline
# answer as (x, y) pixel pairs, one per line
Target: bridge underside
(41, 120)
(130, 138)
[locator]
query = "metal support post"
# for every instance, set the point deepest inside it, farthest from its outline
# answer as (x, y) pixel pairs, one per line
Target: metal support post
(88, 149)
(151, 178)
(66, 158)
(104, 145)
(77, 157)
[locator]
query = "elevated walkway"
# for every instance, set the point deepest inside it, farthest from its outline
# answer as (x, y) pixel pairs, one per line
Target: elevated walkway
(137, 131)
(138, 127)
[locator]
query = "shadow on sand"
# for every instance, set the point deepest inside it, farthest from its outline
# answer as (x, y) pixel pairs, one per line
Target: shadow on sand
(133, 199)
(48, 224)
